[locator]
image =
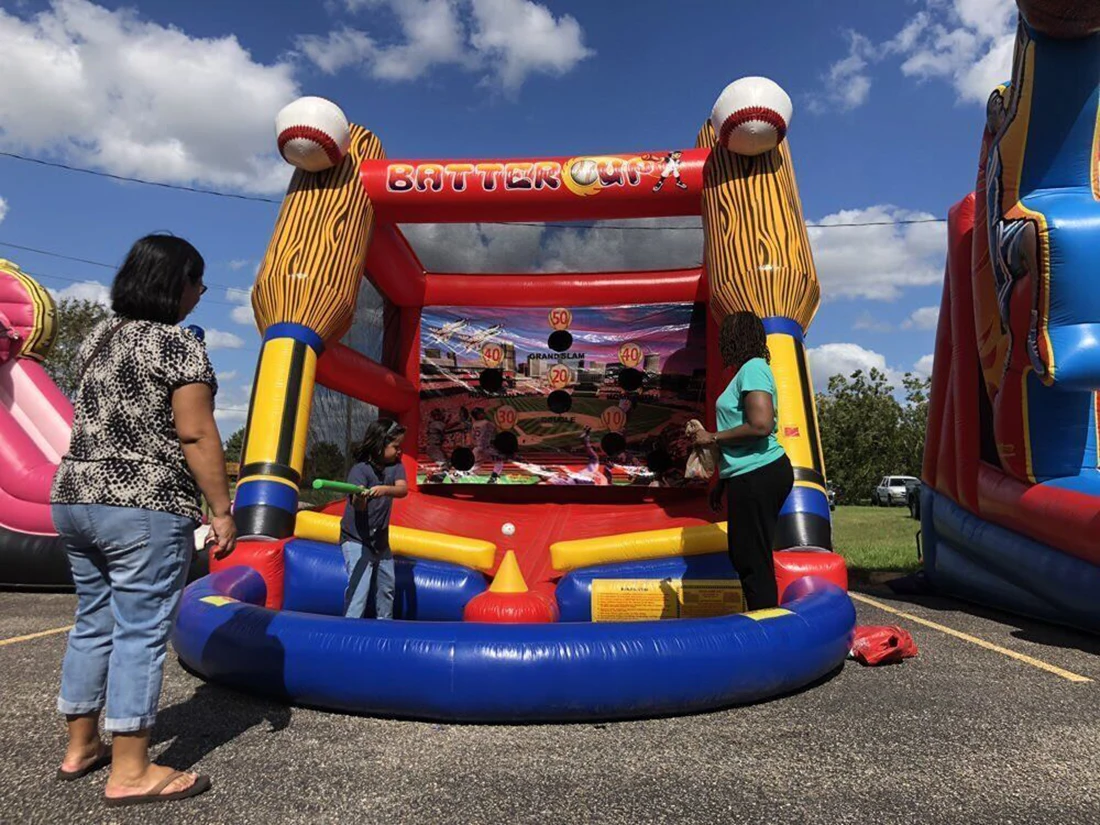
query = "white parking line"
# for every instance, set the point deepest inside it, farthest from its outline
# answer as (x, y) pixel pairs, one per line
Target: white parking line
(966, 637)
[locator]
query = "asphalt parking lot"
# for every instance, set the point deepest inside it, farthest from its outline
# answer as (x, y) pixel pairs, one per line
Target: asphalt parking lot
(963, 733)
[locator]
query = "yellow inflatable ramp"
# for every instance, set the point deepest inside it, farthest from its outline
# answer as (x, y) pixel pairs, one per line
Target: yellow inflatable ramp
(405, 541)
(650, 544)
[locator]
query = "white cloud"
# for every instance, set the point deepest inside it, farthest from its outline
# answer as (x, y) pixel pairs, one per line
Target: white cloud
(844, 359)
(238, 264)
(968, 43)
(519, 37)
(3, 209)
(84, 291)
(226, 377)
(514, 248)
(506, 40)
(847, 83)
(229, 420)
(877, 262)
(109, 89)
(867, 321)
(923, 318)
(216, 339)
(242, 312)
(923, 367)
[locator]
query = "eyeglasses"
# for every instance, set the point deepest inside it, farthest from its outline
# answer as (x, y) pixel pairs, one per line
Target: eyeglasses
(202, 289)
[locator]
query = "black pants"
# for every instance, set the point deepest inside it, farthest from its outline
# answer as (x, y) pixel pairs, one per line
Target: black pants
(753, 504)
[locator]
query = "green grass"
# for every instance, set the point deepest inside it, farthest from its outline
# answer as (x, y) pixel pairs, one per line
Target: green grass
(876, 539)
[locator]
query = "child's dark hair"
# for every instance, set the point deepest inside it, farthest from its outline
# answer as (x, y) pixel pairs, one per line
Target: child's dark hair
(742, 338)
(379, 434)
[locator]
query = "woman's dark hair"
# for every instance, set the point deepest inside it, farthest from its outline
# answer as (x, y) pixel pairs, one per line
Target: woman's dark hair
(149, 284)
(743, 338)
(379, 434)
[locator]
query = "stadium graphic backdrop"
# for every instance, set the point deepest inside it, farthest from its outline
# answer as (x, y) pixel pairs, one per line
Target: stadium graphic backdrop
(595, 396)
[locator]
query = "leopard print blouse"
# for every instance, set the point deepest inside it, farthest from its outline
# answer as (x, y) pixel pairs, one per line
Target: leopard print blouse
(125, 451)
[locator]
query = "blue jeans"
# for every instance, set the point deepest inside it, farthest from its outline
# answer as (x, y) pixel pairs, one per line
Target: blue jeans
(129, 566)
(366, 567)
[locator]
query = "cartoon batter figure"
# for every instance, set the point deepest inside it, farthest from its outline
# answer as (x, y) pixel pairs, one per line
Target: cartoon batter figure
(671, 167)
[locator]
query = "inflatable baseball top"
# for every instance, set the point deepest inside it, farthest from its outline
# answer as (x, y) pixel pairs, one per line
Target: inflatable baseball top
(340, 220)
(1011, 515)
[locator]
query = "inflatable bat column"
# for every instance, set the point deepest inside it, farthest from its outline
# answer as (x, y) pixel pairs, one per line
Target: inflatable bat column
(304, 296)
(758, 259)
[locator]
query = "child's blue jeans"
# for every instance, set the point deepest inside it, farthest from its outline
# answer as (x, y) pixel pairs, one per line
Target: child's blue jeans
(366, 568)
(129, 566)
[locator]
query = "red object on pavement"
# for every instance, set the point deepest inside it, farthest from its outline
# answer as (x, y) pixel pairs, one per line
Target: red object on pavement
(882, 645)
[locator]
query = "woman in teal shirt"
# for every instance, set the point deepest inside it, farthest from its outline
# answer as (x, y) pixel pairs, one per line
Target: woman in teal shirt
(754, 472)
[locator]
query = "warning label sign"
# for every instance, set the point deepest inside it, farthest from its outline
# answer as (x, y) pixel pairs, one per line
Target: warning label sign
(644, 600)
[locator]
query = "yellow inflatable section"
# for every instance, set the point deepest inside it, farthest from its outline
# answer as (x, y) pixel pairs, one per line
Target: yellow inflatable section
(649, 544)
(405, 541)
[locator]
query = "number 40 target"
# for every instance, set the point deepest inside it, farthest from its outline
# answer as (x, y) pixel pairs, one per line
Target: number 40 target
(492, 354)
(630, 355)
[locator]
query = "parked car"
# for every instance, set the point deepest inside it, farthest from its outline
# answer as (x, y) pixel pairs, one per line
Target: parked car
(912, 497)
(830, 494)
(892, 490)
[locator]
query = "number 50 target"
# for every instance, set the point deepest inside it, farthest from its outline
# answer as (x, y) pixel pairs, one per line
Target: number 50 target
(560, 318)
(559, 376)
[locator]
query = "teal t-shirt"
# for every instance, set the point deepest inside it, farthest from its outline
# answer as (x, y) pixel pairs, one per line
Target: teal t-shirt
(746, 456)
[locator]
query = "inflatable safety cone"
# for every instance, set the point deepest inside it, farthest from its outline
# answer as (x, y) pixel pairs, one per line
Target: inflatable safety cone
(508, 599)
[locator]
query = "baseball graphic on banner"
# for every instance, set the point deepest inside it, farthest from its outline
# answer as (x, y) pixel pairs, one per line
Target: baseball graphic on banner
(584, 172)
(313, 134)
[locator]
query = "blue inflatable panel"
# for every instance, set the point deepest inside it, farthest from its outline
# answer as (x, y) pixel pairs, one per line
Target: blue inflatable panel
(574, 592)
(977, 560)
(315, 580)
(480, 672)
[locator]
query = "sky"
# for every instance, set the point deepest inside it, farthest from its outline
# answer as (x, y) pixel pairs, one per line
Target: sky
(888, 108)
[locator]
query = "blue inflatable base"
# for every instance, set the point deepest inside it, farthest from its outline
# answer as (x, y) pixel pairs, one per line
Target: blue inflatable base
(315, 578)
(976, 560)
(472, 672)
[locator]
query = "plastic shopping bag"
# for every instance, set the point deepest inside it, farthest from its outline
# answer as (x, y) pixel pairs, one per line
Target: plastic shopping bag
(882, 645)
(702, 459)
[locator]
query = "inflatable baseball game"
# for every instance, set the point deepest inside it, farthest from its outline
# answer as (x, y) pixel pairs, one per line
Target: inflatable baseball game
(553, 561)
(1011, 503)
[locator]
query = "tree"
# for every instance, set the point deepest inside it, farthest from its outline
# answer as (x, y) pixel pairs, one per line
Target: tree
(866, 433)
(75, 320)
(324, 461)
(913, 424)
(233, 447)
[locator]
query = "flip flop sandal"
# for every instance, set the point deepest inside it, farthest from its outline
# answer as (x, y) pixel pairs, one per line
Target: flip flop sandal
(101, 761)
(201, 785)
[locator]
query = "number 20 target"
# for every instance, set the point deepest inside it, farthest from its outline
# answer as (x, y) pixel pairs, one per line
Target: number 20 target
(559, 376)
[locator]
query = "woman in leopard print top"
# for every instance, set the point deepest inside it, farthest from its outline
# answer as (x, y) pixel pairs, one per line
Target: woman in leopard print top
(126, 502)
